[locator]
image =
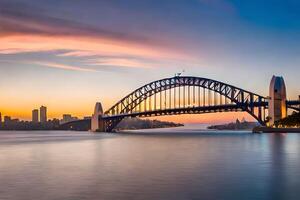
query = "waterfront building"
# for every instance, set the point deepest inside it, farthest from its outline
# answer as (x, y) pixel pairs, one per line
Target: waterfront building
(7, 119)
(43, 114)
(68, 118)
(35, 115)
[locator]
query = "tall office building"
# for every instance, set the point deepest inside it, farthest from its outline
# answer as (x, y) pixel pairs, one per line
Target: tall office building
(35, 116)
(43, 114)
(1, 117)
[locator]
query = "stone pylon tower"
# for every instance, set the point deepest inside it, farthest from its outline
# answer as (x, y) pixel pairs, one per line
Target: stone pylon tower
(96, 123)
(277, 101)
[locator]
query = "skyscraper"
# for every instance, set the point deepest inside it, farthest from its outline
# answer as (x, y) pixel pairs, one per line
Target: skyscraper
(43, 114)
(35, 115)
(1, 117)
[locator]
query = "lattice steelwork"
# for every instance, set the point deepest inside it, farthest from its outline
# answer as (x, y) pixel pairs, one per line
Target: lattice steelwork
(182, 95)
(294, 105)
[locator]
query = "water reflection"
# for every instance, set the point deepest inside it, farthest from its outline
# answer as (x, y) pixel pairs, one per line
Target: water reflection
(181, 165)
(277, 166)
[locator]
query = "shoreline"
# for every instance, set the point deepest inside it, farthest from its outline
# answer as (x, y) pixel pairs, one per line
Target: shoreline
(275, 130)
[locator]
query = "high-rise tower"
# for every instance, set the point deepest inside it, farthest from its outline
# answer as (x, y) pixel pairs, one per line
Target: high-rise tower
(277, 101)
(35, 115)
(43, 114)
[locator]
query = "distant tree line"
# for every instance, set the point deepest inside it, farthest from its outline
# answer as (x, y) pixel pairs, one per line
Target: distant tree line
(244, 125)
(136, 123)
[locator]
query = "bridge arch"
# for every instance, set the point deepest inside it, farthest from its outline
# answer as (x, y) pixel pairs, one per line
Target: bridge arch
(184, 94)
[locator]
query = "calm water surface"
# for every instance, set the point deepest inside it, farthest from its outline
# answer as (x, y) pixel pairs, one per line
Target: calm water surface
(171, 164)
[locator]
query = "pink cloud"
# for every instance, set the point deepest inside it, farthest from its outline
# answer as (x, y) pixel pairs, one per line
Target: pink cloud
(64, 67)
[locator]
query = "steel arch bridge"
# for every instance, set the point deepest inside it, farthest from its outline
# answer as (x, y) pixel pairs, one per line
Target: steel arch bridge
(184, 95)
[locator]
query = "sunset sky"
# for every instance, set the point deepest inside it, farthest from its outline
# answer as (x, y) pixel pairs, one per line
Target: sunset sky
(68, 54)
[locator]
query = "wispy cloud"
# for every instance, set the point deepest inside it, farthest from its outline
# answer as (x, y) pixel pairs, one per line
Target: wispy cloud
(16, 19)
(64, 67)
(23, 28)
(94, 46)
(122, 62)
(77, 53)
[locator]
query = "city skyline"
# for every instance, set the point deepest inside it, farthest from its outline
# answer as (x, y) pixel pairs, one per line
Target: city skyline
(40, 116)
(71, 56)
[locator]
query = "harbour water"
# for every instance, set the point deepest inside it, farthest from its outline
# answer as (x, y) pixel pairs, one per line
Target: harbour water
(169, 164)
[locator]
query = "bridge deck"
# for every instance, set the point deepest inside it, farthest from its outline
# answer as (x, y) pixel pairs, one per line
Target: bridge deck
(188, 110)
(293, 103)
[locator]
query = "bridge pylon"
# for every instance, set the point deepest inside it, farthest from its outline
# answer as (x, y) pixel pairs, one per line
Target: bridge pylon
(277, 101)
(97, 124)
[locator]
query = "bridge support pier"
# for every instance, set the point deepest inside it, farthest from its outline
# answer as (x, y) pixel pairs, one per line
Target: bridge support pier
(97, 123)
(277, 101)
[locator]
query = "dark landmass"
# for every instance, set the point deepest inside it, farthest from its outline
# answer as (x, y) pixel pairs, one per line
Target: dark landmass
(136, 123)
(26, 125)
(244, 125)
(85, 125)
(263, 129)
